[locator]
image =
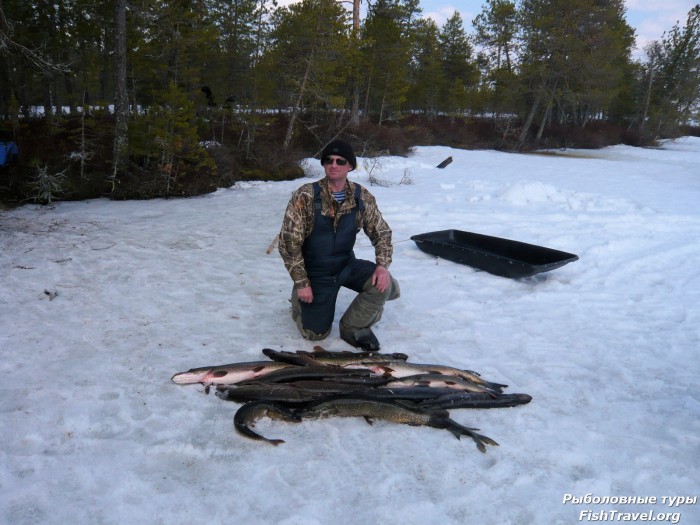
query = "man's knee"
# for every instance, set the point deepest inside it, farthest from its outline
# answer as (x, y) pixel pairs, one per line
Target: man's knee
(392, 292)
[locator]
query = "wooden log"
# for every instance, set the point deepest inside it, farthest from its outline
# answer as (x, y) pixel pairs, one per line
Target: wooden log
(445, 163)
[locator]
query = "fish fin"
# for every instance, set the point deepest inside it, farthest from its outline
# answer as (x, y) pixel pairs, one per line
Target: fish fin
(287, 357)
(488, 440)
(386, 371)
(437, 413)
(369, 420)
(480, 439)
(493, 393)
(221, 394)
(475, 437)
(206, 389)
(282, 413)
(408, 404)
(319, 348)
(275, 442)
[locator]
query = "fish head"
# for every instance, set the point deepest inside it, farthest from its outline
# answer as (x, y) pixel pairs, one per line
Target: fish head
(226, 374)
(212, 376)
(189, 377)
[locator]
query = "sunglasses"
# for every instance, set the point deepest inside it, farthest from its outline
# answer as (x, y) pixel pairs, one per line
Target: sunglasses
(329, 161)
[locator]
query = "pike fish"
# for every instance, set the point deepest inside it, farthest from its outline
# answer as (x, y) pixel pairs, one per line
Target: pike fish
(319, 351)
(442, 381)
(289, 392)
(301, 373)
(400, 369)
(301, 357)
(250, 413)
(392, 411)
(228, 374)
(303, 391)
(473, 400)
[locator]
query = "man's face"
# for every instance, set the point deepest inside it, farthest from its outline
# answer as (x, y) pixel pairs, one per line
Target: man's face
(334, 171)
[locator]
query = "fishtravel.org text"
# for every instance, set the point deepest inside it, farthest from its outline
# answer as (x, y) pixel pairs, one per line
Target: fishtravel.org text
(615, 515)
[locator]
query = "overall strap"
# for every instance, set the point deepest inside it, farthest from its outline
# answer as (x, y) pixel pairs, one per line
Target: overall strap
(317, 198)
(358, 198)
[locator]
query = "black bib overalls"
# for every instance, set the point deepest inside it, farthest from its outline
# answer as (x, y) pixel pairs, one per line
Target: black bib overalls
(330, 263)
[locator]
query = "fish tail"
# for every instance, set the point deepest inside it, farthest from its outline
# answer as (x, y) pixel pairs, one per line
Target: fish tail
(459, 430)
(284, 414)
(486, 389)
(244, 419)
(247, 432)
(472, 376)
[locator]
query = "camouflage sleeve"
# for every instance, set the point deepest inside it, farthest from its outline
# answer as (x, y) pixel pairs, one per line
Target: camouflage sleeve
(377, 229)
(295, 228)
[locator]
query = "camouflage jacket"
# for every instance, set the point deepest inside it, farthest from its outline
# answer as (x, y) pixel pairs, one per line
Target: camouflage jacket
(299, 222)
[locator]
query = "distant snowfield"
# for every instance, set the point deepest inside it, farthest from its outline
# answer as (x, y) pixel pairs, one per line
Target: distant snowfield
(102, 302)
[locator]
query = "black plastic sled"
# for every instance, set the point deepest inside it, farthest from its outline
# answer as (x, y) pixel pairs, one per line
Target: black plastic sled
(494, 255)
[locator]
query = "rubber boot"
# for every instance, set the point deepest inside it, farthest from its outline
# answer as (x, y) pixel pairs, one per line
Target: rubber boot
(363, 338)
(365, 311)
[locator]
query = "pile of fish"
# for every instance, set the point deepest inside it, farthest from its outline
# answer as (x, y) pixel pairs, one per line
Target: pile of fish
(293, 386)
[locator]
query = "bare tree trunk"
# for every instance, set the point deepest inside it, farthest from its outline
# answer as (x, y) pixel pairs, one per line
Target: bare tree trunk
(297, 105)
(369, 86)
(48, 100)
(355, 110)
(381, 109)
(647, 95)
(545, 117)
(528, 122)
(120, 151)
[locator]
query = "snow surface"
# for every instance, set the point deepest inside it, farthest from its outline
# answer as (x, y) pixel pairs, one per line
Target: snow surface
(102, 302)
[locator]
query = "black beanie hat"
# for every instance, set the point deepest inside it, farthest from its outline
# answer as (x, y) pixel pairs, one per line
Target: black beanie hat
(342, 149)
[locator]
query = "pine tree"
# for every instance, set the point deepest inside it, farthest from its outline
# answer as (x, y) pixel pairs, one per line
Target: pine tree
(387, 54)
(307, 67)
(575, 53)
(459, 70)
(496, 29)
(229, 73)
(426, 75)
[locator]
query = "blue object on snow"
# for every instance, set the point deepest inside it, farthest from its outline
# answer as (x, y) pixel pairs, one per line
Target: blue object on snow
(8, 152)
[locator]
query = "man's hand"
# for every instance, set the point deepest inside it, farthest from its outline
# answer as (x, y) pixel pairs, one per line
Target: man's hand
(306, 295)
(381, 279)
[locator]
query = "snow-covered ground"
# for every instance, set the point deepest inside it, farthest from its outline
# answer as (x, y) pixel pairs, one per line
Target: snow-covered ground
(102, 302)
